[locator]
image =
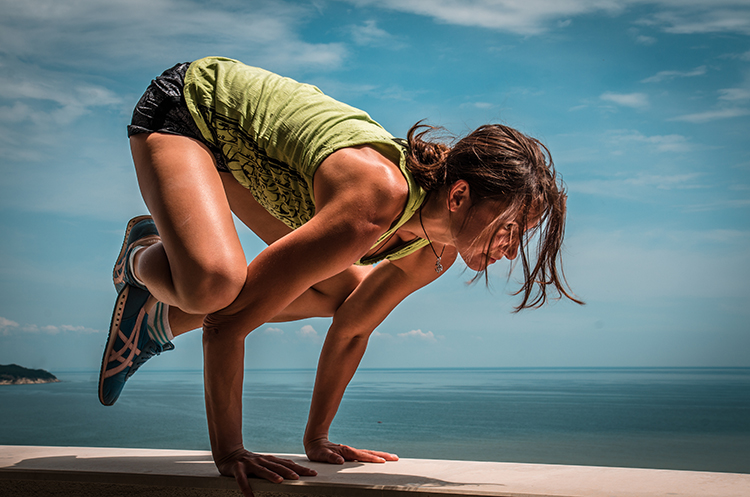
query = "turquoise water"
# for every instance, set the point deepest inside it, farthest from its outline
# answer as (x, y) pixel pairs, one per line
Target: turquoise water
(693, 419)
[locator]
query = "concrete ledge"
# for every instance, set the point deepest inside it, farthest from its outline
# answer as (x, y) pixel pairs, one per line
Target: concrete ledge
(57, 471)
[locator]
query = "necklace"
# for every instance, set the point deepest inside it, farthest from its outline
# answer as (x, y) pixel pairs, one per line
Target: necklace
(438, 264)
(382, 245)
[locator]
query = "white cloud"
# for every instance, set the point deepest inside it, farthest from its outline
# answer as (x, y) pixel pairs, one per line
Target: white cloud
(115, 30)
(666, 181)
(736, 56)
(734, 94)
(723, 204)
(634, 100)
(419, 334)
(713, 115)
(637, 186)
(70, 99)
(527, 17)
(731, 103)
(720, 16)
(665, 75)
(533, 17)
(661, 143)
(307, 332)
(7, 326)
(369, 34)
(478, 105)
(273, 331)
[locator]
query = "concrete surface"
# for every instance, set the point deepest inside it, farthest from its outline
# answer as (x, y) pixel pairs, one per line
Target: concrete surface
(57, 471)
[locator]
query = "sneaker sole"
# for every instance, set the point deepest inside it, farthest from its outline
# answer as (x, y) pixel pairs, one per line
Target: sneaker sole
(118, 262)
(114, 327)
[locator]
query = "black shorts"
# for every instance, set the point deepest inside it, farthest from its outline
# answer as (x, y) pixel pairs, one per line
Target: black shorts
(162, 109)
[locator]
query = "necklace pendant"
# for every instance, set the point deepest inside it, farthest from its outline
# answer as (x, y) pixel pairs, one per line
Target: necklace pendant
(438, 266)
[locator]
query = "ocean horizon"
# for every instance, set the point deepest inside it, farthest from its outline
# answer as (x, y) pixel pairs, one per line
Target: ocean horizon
(664, 418)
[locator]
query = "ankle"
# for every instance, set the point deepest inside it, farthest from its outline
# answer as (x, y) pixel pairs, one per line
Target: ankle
(133, 264)
(158, 324)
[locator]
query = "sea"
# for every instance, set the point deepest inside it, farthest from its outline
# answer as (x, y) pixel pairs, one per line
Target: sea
(665, 418)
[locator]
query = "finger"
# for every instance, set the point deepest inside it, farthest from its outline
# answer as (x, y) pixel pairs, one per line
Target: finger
(329, 455)
(385, 455)
(267, 474)
(353, 454)
(280, 469)
(300, 470)
(241, 478)
(325, 455)
(333, 457)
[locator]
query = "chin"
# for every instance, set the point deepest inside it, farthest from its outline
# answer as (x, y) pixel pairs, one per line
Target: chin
(476, 263)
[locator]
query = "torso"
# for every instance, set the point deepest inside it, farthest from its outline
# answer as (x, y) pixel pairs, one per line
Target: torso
(276, 134)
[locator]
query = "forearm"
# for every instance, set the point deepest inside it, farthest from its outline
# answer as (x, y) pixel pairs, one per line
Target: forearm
(223, 377)
(346, 342)
(373, 300)
(338, 362)
(224, 332)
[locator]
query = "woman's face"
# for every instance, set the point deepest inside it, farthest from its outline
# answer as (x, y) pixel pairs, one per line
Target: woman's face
(470, 238)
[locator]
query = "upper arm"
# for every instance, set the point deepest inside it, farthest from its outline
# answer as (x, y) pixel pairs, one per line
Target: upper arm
(384, 288)
(361, 190)
(358, 196)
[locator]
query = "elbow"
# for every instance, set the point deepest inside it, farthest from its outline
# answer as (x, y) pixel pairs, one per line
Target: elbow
(346, 330)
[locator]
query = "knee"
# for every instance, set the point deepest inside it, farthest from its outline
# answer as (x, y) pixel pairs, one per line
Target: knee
(212, 288)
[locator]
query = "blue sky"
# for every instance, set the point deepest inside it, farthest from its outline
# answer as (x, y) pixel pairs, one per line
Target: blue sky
(645, 106)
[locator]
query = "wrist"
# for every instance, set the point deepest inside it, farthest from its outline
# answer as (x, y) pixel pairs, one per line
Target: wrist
(222, 457)
(312, 438)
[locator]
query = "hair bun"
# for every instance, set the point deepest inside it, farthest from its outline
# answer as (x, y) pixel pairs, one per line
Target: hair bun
(426, 158)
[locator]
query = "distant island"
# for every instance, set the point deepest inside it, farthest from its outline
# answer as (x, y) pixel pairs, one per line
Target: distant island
(13, 374)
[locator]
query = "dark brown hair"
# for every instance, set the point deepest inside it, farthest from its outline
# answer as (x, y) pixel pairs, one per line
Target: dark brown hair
(515, 172)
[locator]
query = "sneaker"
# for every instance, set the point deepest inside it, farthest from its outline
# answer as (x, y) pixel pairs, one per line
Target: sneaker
(129, 345)
(140, 231)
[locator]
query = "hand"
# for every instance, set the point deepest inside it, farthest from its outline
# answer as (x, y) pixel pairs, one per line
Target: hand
(322, 450)
(242, 463)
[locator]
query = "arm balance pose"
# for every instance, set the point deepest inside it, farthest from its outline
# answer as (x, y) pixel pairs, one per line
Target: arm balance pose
(331, 193)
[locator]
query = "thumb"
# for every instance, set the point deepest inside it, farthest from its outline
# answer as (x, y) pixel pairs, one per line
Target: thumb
(334, 458)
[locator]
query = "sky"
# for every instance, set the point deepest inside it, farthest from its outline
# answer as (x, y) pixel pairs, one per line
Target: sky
(644, 104)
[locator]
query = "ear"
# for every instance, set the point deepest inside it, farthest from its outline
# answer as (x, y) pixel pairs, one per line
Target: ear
(458, 195)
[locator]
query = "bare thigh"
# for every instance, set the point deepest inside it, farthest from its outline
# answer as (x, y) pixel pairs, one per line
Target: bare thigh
(330, 292)
(200, 266)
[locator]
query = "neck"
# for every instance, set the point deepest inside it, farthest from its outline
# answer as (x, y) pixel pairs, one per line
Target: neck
(436, 220)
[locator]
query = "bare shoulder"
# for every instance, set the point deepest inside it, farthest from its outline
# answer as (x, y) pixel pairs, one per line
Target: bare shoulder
(363, 178)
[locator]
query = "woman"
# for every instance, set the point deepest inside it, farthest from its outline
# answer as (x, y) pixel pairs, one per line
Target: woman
(331, 193)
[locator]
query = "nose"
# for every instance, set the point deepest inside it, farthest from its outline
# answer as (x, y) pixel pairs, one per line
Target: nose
(512, 252)
(509, 250)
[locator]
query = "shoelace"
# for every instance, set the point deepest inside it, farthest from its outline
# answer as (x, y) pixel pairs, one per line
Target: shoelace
(150, 350)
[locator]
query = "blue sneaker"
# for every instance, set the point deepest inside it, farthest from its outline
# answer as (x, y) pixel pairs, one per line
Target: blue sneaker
(129, 345)
(141, 230)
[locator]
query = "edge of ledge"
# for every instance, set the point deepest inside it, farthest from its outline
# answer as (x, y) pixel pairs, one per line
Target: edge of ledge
(182, 469)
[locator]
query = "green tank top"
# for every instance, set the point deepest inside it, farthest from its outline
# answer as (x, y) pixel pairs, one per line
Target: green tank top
(274, 133)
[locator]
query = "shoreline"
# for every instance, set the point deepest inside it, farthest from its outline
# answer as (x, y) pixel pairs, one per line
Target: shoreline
(13, 374)
(27, 381)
